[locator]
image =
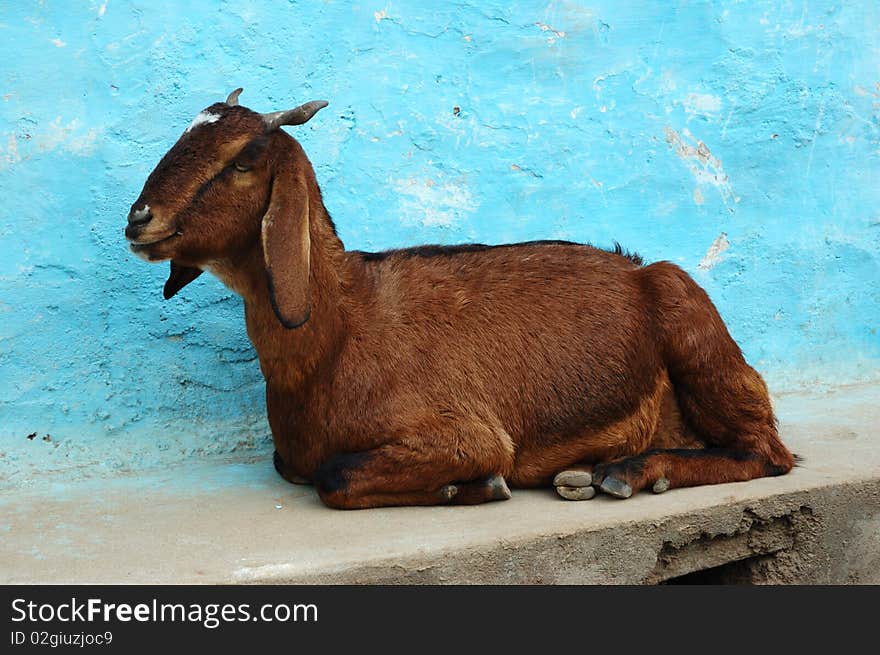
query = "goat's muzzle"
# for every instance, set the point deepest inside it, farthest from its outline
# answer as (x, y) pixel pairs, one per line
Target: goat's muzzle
(144, 233)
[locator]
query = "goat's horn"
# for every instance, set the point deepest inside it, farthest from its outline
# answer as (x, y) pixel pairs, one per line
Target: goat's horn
(232, 99)
(296, 116)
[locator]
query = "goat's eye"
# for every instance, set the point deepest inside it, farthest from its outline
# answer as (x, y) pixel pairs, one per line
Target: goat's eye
(241, 168)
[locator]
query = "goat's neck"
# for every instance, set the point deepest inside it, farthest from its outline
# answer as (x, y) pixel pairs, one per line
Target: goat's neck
(290, 357)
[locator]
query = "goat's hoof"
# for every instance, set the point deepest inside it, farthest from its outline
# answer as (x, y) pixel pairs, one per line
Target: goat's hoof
(573, 478)
(660, 486)
(448, 492)
(575, 493)
(498, 489)
(616, 487)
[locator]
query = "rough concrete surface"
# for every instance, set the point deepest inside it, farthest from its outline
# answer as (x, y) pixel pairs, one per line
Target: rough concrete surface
(239, 522)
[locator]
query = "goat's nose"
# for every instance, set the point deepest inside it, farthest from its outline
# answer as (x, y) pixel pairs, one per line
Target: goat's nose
(140, 215)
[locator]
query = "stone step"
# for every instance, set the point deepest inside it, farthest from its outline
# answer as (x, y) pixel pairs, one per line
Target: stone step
(238, 522)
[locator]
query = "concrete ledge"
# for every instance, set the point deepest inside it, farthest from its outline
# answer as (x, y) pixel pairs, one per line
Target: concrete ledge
(238, 522)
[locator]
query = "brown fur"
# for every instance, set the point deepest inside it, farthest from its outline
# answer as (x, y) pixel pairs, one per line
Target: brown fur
(391, 376)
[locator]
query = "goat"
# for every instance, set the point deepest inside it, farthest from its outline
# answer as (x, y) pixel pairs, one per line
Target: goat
(438, 375)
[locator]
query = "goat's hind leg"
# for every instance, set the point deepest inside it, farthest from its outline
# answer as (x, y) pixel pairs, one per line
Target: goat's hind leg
(679, 467)
(722, 400)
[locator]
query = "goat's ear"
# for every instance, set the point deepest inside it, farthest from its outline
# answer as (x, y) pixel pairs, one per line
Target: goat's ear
(179, 277)
(286, 246)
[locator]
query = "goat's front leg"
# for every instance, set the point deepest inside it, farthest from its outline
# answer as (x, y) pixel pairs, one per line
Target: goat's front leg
(285, 472)
(574, 483)
(413, 472)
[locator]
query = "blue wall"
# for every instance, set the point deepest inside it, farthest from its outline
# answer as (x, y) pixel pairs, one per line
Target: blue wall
(739, 139)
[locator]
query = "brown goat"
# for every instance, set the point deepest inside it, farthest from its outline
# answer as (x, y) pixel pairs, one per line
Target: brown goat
(437, 374)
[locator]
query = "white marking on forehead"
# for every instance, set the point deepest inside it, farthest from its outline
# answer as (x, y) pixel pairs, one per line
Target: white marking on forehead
(202, 118)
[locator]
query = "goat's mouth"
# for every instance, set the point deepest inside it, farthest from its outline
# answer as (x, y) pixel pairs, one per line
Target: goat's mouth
(148, 249)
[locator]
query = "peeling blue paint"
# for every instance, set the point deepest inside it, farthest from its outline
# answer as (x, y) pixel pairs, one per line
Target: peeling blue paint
(661, 125)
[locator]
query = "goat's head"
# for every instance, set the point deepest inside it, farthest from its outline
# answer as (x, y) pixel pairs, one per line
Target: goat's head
(229, 183)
